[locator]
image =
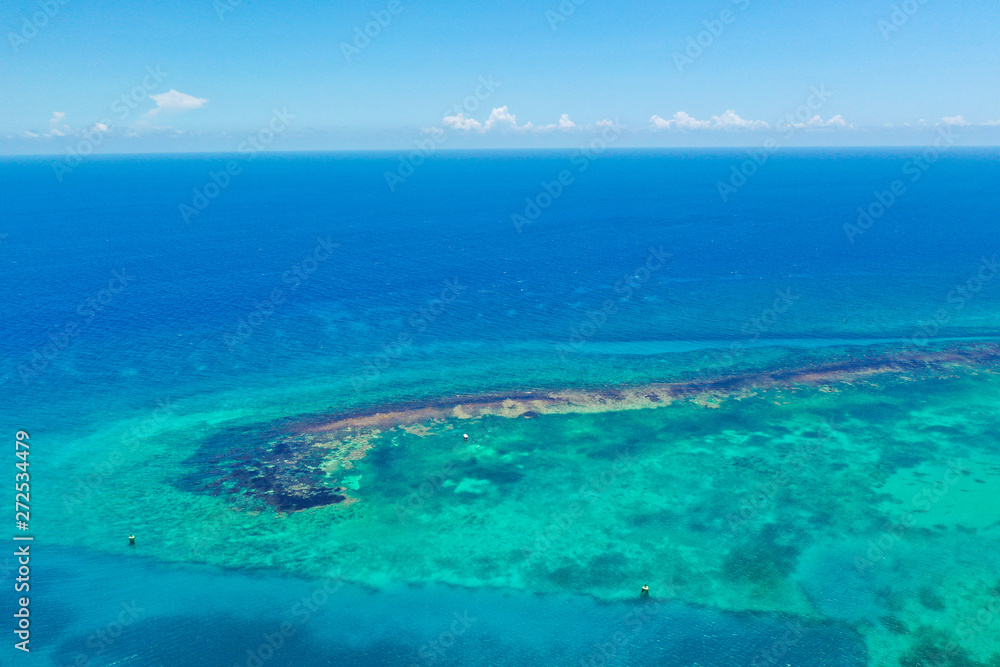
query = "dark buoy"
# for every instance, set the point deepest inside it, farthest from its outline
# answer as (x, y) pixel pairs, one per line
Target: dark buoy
(644, 593)
(131, 539)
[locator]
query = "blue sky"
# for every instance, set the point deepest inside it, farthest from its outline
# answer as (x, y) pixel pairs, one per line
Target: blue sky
(555, 72)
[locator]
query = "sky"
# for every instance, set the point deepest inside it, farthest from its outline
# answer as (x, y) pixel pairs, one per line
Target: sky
(207, 75)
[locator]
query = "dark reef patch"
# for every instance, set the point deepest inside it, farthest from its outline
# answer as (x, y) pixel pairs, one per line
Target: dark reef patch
(506, 474)
(934, 647)
(761, 560)
(930, 599)
(258, 467)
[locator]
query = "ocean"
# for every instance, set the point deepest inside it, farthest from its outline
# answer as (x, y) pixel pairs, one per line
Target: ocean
(769, 398)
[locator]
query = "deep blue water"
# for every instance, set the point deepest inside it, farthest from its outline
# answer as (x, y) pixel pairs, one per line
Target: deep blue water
(190, 285)
(110, 611)
(250, 301)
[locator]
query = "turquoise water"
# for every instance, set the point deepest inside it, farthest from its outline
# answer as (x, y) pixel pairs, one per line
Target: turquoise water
(829, 464)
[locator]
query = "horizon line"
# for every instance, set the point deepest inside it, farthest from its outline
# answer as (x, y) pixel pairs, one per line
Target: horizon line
(534, 149)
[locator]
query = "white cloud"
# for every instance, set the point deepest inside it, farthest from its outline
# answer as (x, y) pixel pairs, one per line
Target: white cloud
(728, 120)
(731, 119)
(961, 122)
(56, 126)
(605, 123)
(564, 124)
(175, 101)
(460, 122)
(502, 118)
(680, 119)
(683, 119)
(817, 121)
